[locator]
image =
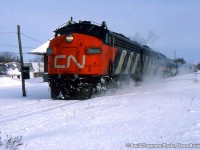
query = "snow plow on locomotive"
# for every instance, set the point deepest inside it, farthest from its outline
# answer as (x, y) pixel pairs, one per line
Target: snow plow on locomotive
(84, 56)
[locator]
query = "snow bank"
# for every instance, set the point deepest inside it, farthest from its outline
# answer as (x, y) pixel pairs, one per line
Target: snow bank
(6, 81)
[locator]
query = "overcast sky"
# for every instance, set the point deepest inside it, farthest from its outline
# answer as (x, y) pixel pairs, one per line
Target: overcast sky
(164, 25)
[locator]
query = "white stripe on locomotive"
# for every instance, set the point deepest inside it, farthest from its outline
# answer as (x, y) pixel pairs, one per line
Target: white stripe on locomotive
(121, 60)
(129, 63)
(135, 63)
(145, 64)
(150, 66)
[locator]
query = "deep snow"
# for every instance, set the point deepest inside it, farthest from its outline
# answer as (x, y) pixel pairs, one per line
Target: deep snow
(156, 112)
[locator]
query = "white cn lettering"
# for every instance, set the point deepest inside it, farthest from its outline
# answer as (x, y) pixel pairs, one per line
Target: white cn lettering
(70, 57)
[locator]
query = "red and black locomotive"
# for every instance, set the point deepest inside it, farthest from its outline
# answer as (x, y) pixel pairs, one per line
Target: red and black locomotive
(83, 56)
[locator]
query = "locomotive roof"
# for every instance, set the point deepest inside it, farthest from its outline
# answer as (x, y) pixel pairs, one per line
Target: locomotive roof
(80, 23)
(124, 42)
(147, 49)
(83, 27)
(102, 28)
(119, 39)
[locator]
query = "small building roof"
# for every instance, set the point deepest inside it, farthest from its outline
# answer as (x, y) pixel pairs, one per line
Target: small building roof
(41, 49)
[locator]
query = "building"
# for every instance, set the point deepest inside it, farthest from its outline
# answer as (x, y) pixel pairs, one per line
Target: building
(36, 69)
(41, 50)
(13, 69)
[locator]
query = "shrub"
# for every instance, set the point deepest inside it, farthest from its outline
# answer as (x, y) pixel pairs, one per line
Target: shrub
(11, 143)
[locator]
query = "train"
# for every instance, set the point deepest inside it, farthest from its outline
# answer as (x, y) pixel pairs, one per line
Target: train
(84, 57)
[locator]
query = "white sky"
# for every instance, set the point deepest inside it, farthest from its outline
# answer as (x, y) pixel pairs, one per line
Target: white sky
(174, 24)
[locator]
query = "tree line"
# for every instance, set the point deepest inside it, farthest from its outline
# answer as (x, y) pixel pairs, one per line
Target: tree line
(6, 57)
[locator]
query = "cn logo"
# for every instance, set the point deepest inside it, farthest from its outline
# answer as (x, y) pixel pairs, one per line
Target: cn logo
(70, 57)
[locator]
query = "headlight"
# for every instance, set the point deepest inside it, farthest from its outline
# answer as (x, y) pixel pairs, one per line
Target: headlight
(94, 51)
(49, 51)
(69, 38)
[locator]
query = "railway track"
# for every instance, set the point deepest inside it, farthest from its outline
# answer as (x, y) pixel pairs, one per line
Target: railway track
(31, 108)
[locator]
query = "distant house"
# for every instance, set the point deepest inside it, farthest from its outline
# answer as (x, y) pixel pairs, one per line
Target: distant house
(12, 69)
(36, 69)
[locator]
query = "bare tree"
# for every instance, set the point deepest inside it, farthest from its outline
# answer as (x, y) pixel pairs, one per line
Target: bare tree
(38, 58)
(198, 66)
(6, 57)
(3, 69)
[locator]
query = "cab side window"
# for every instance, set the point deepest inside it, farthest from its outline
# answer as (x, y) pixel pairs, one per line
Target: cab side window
(108, 39)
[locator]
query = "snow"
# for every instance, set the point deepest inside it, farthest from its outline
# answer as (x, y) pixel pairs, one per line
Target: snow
(13, 72)
(164, 112)
(41, 49)
(6, 81)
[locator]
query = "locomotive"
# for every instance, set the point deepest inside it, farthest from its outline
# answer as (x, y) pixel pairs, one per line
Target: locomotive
(84, 56)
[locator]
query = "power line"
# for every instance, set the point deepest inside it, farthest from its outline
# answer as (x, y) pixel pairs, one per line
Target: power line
(17, 53)
(7, 32)
(15, 45)
(8, 45)
(23, 35)
(186, 50)
(32, 38)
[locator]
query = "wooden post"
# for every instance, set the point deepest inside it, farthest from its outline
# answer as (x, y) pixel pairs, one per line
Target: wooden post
(21, 60)
(175, 60)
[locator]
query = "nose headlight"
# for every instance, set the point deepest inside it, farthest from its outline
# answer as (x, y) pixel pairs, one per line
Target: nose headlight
(69, 38)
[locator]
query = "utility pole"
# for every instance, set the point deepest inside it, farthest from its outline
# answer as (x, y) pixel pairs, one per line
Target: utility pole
(21, 60)
(175, 59)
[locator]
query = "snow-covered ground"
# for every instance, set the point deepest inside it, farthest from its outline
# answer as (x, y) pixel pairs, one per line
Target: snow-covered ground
(166, 113)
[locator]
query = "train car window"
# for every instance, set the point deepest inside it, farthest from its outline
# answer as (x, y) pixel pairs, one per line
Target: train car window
(107, 39)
